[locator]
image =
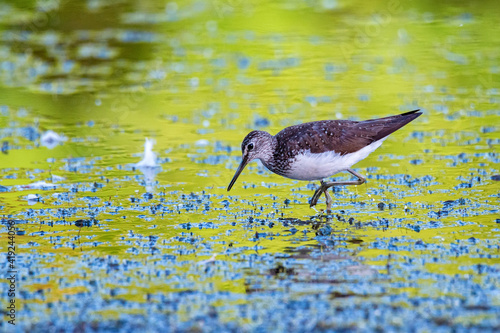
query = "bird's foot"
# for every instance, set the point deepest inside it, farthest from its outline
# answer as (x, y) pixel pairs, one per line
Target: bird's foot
(314, 200)
(322, 189)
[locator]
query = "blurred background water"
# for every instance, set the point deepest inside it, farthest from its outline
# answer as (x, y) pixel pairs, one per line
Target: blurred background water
(105, 244)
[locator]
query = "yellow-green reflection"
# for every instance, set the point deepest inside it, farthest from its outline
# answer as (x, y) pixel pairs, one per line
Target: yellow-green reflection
(197, 77)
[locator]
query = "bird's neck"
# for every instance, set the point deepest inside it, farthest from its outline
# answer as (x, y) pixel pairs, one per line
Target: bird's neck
(267, 156)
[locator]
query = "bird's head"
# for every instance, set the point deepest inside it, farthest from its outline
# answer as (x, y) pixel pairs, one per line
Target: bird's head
(257, 144)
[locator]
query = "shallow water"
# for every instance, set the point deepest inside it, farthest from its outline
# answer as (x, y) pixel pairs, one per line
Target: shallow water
(103, 244)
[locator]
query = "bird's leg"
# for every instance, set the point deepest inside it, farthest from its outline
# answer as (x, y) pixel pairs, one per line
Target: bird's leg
(329, 202)
(325, 186)
(316, 195)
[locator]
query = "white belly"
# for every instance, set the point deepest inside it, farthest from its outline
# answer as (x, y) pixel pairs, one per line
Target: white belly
(310, 166)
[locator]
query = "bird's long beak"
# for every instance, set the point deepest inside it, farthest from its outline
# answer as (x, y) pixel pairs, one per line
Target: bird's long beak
(243, 163)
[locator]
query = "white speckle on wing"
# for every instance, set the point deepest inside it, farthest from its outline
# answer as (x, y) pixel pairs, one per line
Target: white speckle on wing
(308, 166)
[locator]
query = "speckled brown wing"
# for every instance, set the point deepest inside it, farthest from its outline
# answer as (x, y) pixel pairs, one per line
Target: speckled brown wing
(320, 136)
(341, 136)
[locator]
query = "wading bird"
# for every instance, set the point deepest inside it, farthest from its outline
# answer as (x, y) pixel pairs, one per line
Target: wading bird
(320, 149)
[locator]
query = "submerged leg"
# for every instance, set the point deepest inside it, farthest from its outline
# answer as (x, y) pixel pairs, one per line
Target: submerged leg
(325, 186)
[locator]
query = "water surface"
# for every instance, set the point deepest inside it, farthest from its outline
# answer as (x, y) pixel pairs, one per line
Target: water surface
(103, 244)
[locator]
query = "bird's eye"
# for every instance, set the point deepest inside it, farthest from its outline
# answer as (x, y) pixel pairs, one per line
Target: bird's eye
(250, 146)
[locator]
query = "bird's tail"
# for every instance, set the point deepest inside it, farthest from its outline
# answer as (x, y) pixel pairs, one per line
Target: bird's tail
(391, 124)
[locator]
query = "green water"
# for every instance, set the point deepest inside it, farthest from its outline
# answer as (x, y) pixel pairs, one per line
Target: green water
(197, 77)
